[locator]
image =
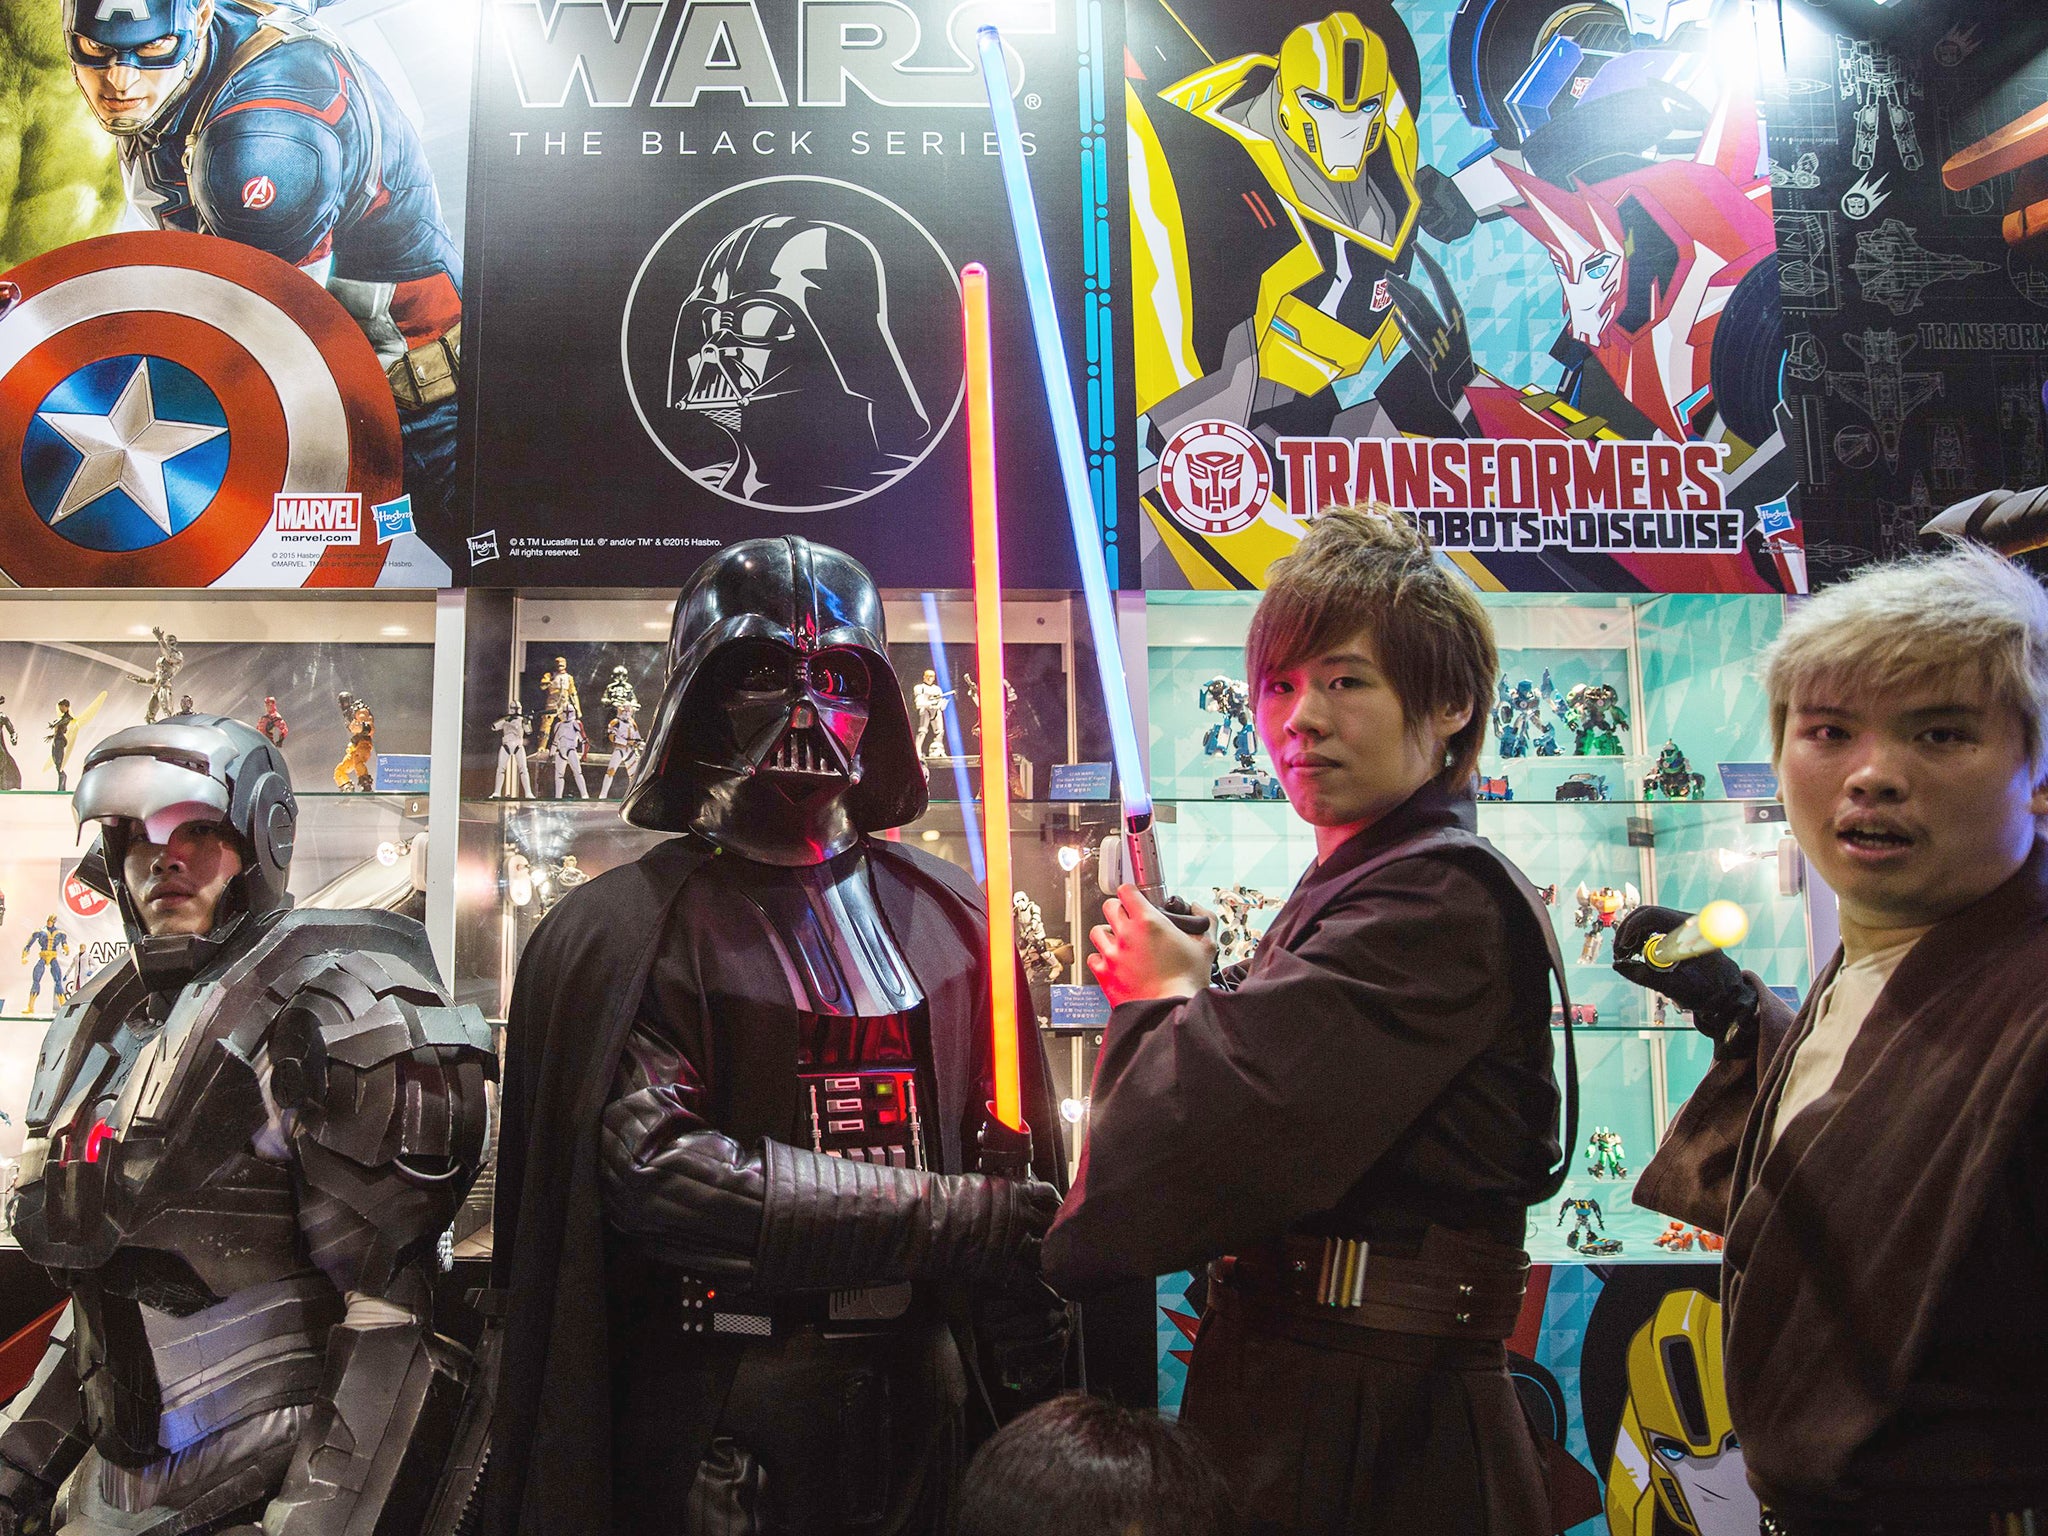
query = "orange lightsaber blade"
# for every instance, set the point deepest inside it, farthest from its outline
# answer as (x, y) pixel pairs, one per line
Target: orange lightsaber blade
(988, 648)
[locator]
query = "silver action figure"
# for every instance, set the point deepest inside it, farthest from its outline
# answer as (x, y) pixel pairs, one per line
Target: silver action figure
(169, 657)
(618, 694)
(1235, 941)
(244, 1141)
(514, 777)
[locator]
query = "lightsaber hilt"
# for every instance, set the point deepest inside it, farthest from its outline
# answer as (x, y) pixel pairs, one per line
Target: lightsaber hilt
(1716, 926)
(1142, 869)
(1003, 1151)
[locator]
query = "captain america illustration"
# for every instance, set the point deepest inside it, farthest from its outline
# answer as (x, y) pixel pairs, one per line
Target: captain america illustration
(252, 122)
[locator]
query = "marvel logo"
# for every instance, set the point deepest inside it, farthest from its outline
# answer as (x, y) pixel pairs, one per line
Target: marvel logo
(258, 192)
(337, 514)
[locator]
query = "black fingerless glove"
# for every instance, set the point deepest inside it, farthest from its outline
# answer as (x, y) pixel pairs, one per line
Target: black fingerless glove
(1712, 987)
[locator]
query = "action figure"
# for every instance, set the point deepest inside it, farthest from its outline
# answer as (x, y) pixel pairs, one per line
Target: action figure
(1592, 712)
(560, 698)
(1675, 1238)
(1042, 954)
(1673, 777)
(565, 751)
(1235, 941)
(1019, 721)
(1233, 733)
(1586, 1216)
(243, 1202)
(628, 747)
(1519, 722)
(518, 872)
(777, 1194)
(10, 770)
(255, 123)
(929, 700)
(1582, 786)
(61, 730)
(618, 694)
(1604, 1154)
(49, 943)
(184, 703)
(571, 874)
(271, 724)
(356, 773)
(513, 776)
(1598, 911)
(169, 657)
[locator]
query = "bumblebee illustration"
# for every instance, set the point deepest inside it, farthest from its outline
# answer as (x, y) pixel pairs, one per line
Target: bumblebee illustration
(1677, 1466)
(1282, 193)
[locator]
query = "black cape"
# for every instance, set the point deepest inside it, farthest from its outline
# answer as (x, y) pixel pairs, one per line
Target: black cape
(574, 999)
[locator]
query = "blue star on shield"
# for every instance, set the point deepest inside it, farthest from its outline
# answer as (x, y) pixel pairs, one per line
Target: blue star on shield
(125, 453)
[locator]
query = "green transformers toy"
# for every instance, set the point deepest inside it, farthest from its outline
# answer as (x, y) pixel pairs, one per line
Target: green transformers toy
(1592, 712)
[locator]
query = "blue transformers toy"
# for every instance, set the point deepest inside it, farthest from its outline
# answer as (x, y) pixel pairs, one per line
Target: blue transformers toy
(1518, 719)
(1234, 734)
(256, 124)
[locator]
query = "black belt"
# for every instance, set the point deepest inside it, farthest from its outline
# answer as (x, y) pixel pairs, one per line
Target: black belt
(1475, 1293)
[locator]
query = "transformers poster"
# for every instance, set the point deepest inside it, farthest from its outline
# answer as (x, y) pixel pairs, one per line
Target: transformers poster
(231, 292)
(717, 282)
(1505, 266)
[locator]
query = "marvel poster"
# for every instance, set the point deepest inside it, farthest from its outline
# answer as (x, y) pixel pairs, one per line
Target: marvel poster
(231, 291)
(715, 273)
(1505, 265)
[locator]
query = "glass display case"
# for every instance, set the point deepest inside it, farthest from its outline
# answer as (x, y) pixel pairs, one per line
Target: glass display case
(99, 664)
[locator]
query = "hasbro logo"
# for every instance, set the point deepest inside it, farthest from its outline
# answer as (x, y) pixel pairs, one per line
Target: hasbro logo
(393, 518)
(1775, 517)
(483, 546)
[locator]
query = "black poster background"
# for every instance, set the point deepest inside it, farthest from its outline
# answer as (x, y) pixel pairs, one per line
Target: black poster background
(1917, 337)
(570, 486)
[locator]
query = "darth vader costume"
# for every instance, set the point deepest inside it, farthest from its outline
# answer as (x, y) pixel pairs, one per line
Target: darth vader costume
(749, 1278)
(242, 1149)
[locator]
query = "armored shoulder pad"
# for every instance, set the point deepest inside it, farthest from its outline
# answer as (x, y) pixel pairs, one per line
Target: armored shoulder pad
(271, 166)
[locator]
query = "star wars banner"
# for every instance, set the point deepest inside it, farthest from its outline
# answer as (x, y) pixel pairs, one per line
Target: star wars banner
(716, 283)
(1506, 266)
(231, 310)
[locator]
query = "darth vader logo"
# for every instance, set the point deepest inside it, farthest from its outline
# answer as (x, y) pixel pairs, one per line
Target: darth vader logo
(792, 344)
(1215, 477)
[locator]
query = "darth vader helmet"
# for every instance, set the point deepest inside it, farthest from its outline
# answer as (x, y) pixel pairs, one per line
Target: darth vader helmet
(159, 777)
(781, 735)
(785, 344)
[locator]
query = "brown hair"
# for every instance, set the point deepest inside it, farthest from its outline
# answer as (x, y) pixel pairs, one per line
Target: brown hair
(1368, 568)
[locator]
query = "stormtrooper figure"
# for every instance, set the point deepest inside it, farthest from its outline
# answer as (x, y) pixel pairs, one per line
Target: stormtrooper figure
(627, 747)
(514, 776)
(244, 1141)
(782, 1016)
(929, 699)
(565, 751)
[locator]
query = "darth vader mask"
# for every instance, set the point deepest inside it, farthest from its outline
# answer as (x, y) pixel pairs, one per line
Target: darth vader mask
(781, 735)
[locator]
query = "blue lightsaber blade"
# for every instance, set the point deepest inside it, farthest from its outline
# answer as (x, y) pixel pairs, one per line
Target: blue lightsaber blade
(1073, 460)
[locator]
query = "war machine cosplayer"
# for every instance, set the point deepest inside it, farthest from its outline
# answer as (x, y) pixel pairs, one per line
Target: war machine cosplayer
(775, 1191)
(244, 1142)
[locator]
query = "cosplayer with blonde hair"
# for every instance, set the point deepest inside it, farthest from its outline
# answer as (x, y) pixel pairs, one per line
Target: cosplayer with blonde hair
(1876, 1160)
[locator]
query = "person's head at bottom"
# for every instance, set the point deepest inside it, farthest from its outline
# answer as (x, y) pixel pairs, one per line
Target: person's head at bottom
(1371, 669)
(1909, 723)
(1082, 1466)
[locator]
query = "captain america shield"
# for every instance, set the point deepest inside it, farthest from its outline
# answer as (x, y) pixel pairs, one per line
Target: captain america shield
(158, 392)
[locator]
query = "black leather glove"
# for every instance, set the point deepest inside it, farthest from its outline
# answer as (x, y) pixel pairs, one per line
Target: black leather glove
(1026, 1328)
(1712, 987)
(830, 1223)
(24, 1502)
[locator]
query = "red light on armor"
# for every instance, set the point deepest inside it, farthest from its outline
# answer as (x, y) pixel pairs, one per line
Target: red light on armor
(97, 1137)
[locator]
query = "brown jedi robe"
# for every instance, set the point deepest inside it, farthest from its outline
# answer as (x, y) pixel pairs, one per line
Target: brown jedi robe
(1886, 1271)
(1385, 1065)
